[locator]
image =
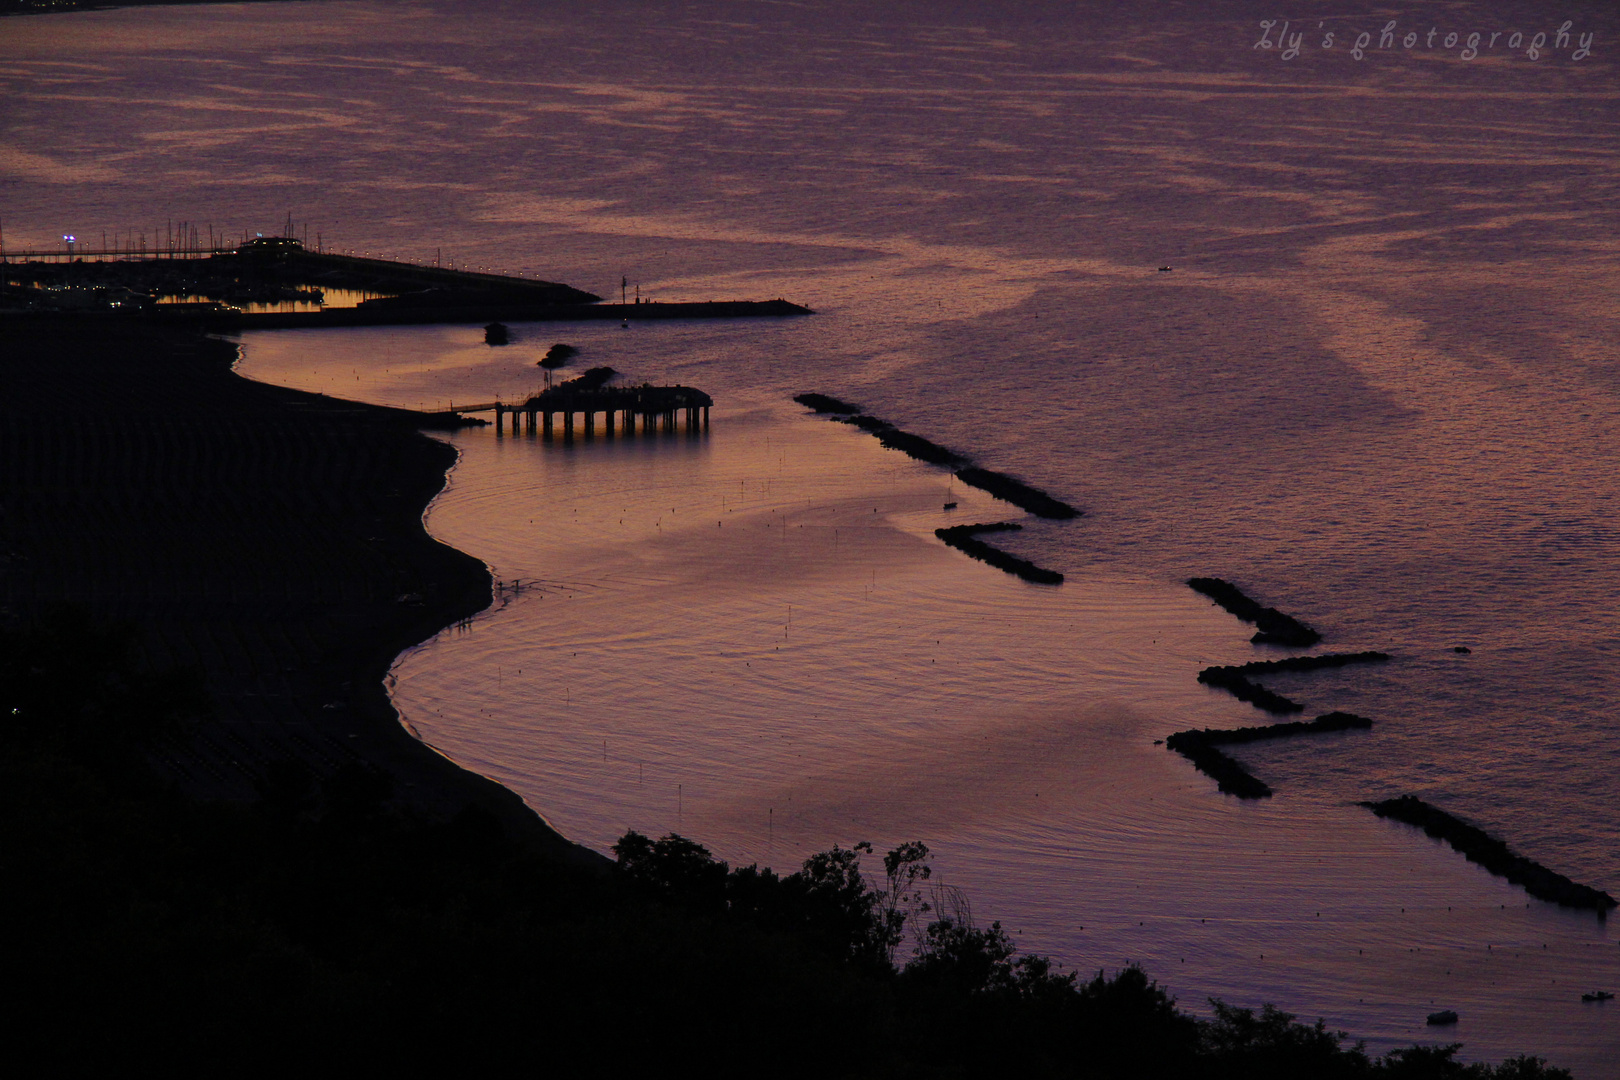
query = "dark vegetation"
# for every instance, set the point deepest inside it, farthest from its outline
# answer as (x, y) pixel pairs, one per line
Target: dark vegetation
(590, 379)
(1199, 747)
(588, 392)
(1480, 847)
(1272, 626)
(558, 356)
(248, 867)
(962, 537)
(1018, 493)
(321, 929)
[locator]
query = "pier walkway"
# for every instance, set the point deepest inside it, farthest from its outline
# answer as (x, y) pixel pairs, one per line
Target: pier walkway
(656, 407)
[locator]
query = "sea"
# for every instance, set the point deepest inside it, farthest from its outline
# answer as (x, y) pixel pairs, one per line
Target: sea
(1319, 299)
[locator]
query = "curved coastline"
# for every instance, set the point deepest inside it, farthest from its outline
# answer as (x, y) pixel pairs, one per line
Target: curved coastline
(276, 462)
(271, 539)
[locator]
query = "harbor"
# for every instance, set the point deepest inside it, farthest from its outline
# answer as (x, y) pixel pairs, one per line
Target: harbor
(277, 283)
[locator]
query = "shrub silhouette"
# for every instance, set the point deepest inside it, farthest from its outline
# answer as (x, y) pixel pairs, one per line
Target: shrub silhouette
(335, 927)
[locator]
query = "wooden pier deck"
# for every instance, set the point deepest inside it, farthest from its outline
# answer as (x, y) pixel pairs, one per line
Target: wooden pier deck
(621, 407)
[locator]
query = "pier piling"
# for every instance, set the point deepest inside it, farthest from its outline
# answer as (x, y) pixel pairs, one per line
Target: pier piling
(659, 410)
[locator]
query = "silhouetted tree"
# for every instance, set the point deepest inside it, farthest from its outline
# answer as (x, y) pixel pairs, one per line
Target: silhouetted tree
(1271, 1044)
(904, 869)
(841, 911)
(674, 869)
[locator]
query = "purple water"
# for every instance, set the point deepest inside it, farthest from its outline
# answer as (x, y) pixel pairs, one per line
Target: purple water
(1377, 388)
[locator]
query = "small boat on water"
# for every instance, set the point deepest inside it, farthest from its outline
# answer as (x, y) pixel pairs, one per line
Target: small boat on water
(1598, 995)
(1442, 1018)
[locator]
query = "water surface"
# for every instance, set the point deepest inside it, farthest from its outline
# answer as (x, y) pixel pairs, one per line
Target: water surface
(1377, 388)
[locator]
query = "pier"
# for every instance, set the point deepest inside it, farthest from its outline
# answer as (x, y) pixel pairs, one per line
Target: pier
(622, 409)
(209, 286)
(486, 308)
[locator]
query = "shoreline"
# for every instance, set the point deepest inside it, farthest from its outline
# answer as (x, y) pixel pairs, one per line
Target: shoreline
(270, 539)
(407, 518)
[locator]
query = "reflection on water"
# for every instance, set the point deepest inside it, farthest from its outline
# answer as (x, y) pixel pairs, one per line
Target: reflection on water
(752, 638)
(328, 298)
(1377, 388)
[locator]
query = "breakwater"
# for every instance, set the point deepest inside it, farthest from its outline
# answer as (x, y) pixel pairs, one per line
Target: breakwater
(406, 315)
(1002, 486)
(1201, 748)
(1235, 678)
(1478, 846)
(823, 403)
(963, 538)
(280, 270)
(1313, 663)
(1231, 680)
(1018, 493)
(911, 445)
(1272, 626)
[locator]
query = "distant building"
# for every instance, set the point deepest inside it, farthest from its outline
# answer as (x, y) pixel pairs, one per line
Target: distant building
(270, 245)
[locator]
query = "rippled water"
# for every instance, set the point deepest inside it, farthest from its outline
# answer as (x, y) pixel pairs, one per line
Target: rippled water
(1378, 389)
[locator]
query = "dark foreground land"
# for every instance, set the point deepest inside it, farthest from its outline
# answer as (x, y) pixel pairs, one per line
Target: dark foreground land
(248, 867)
(267, 539)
